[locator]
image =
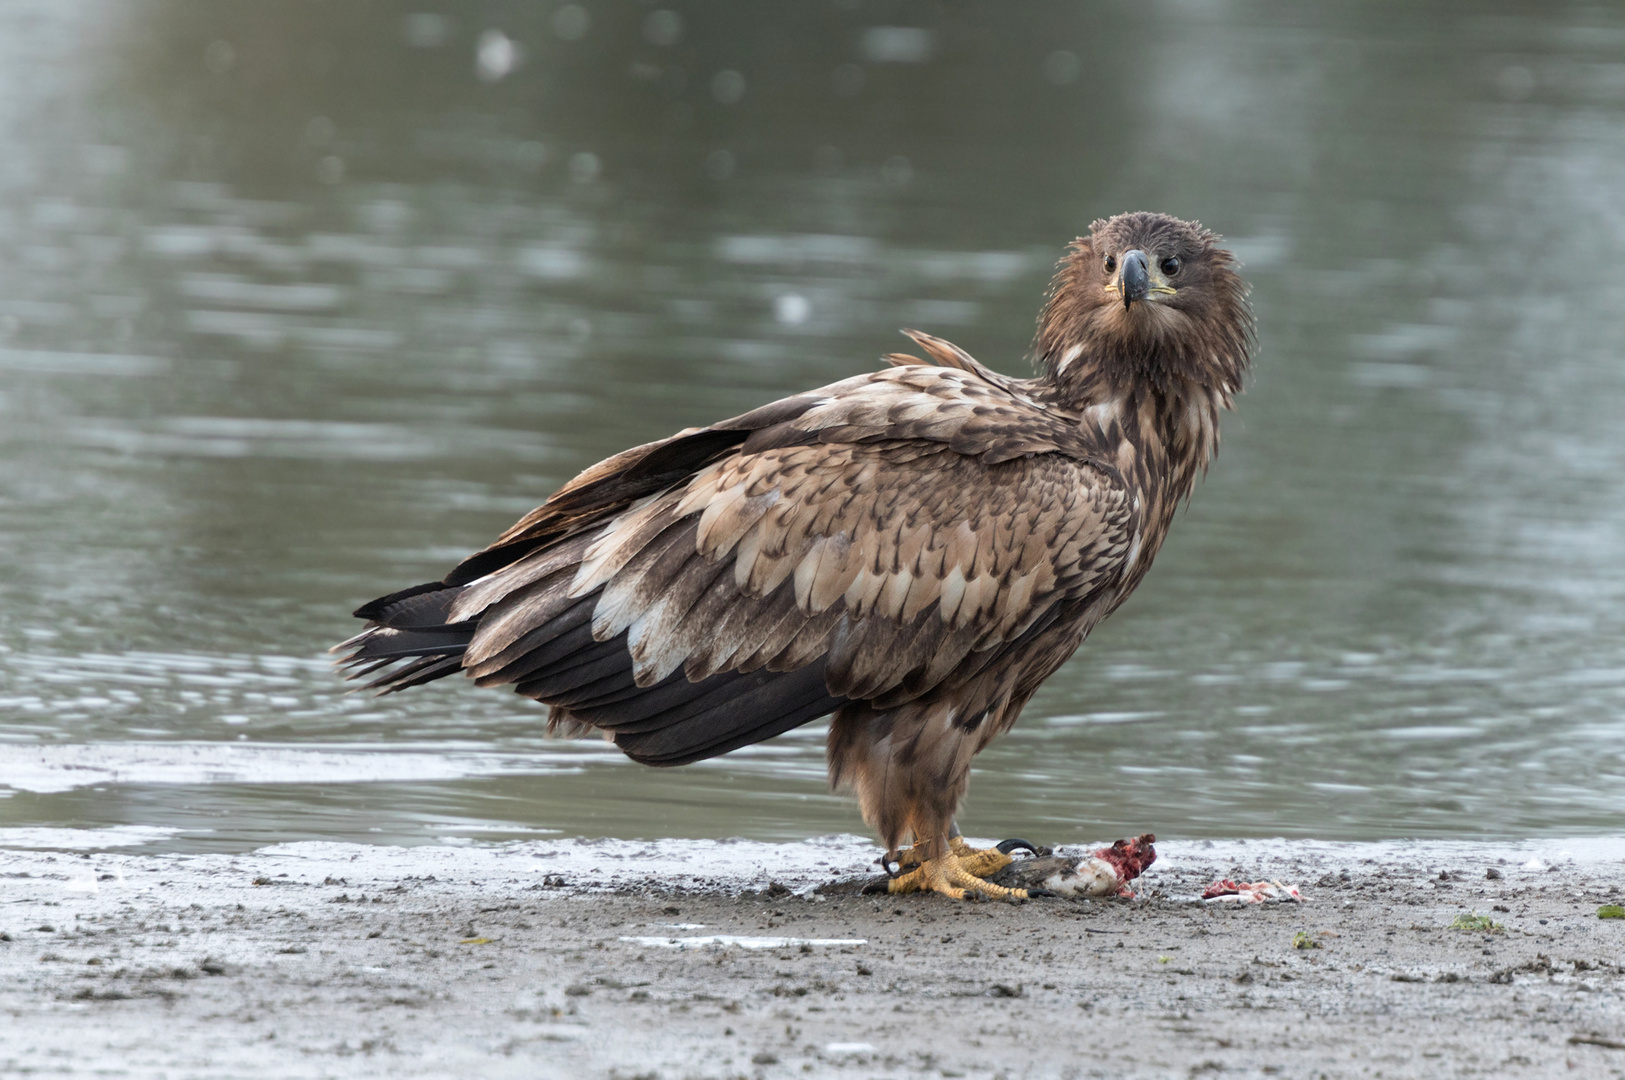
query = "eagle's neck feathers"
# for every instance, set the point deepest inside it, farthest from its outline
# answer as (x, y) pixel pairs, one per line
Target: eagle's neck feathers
(1154, 419)
(1160, 443)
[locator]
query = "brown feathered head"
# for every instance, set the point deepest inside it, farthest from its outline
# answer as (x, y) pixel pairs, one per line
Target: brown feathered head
(1145, 299)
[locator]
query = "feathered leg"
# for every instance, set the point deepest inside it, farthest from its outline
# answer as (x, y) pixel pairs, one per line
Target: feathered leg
(909, 769)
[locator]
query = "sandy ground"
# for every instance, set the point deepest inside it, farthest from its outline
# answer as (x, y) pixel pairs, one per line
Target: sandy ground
(580, 959)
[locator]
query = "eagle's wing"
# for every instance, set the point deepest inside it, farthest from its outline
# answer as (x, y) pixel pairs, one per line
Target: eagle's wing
(873, 540)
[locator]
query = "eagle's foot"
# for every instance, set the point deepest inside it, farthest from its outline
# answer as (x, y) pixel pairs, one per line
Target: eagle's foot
(949, 877)
(979, 862)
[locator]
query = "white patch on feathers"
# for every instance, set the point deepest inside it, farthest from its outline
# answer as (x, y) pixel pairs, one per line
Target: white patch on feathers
(1067, 358)
(1106, 414)
(953, 591)
(614, 547)
(656, 650)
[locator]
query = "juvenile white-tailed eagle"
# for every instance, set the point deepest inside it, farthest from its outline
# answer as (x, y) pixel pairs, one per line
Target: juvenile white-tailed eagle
(914, 550)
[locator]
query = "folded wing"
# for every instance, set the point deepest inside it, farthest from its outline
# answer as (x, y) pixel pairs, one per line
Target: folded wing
(880, 539)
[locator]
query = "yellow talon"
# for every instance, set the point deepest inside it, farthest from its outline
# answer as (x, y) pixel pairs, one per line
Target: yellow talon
(978, 862)
(982, 862)
(953, 876)
(945, 876)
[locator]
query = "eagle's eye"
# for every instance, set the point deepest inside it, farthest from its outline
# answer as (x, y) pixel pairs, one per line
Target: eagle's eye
(1170, 267)
(1111, 264)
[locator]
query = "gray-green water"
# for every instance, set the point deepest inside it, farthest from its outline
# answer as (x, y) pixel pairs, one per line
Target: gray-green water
(300, 303)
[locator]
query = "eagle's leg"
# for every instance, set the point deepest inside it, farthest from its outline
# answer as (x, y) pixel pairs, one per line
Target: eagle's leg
(978, 862)
(947, 874)
(982, 862)
(909, 768)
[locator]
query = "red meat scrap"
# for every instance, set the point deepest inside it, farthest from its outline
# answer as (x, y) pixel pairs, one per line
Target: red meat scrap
(1129, 858)
(1255, 892)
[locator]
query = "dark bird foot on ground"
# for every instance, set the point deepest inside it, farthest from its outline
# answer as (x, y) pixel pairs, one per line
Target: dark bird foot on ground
(985, 862)
(1007, 846)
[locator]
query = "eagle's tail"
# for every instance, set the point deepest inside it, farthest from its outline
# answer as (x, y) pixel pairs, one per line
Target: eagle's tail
(408, 625)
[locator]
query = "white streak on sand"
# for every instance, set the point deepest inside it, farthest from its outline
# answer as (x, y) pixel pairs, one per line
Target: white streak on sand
(741, 942)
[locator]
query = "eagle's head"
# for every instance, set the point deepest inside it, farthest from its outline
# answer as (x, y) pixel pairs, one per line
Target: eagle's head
(1146, 299)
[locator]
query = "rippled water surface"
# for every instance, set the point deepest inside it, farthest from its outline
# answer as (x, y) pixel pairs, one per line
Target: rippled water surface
(300, 303)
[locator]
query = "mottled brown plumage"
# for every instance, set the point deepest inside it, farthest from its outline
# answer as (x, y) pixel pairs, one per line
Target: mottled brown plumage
(914, 550)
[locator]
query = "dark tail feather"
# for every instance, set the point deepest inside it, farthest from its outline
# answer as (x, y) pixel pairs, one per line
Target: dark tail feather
(408, 625)
(408, 642)
(423, 605)
(759, 706)
(384, 642)
(418, 672)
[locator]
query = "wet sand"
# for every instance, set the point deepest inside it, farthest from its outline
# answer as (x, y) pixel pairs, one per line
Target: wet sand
(601, 960)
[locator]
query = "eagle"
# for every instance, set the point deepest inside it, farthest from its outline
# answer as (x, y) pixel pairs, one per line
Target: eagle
(911, 551)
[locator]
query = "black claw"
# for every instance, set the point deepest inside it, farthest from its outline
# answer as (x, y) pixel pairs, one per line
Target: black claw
(874, 888)
(1007, 846)
(1042, 894)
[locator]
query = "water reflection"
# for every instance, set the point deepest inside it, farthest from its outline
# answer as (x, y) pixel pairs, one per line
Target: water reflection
(299, 302)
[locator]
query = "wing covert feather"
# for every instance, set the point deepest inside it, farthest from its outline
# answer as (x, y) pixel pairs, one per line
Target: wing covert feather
(888, 526)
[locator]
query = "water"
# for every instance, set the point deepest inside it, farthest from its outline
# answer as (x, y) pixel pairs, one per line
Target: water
(301, 303)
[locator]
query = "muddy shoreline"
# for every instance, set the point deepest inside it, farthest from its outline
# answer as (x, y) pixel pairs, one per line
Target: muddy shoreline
(687, 959)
